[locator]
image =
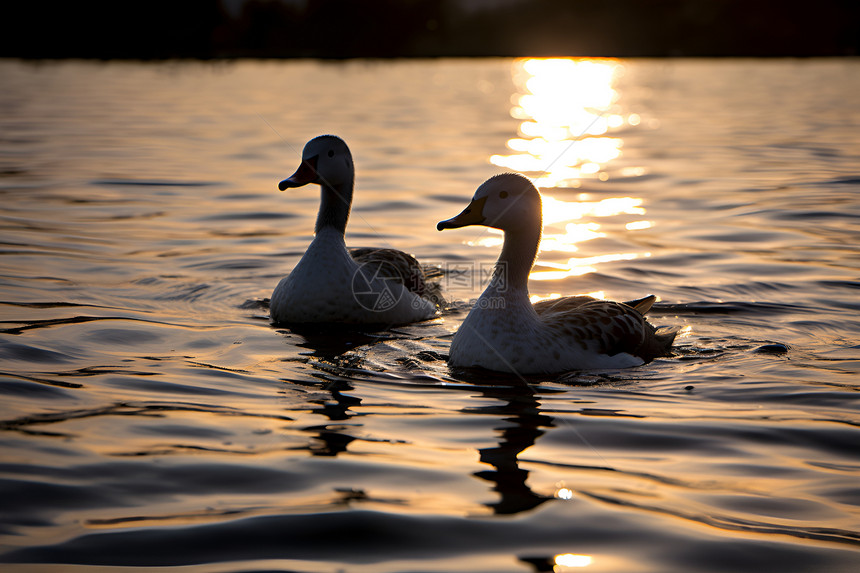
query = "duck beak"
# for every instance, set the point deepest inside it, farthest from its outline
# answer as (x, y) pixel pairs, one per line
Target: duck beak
(306, 173)
(471, 215)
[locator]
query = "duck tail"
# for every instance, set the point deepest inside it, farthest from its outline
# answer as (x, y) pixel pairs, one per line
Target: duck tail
(642, 305)
(665, 337)
(657, 342)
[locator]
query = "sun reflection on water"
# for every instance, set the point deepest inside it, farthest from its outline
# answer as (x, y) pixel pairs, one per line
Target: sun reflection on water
(567, 108)
(557, 211)
(571, 560)
(598, 294)
(580, 266)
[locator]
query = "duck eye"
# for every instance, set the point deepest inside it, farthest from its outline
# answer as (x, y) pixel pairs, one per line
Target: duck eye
(503, 194)
(331, 152)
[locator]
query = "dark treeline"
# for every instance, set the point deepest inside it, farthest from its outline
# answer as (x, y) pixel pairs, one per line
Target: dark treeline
(151, 29)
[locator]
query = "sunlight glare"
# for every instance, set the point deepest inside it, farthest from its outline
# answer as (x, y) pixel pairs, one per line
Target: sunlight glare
(561, 273)
(597, 294)
(576, 267)
(638, 225)
(566, 107)
(571, 560)
(564, 493)
(537, 298)
(492, 238)
(574, 233)
(556, 210)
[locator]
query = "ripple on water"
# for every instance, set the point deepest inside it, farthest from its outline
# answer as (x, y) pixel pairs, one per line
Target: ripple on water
(151, 183)
(29, 353)
(250, 216)
(151, 415)
(365, 535)
(33, 390)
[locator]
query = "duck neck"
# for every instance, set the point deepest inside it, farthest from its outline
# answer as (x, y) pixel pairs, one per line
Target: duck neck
(335, 202)
(511, 274)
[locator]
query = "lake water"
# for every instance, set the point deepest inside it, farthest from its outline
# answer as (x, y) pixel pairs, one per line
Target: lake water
(153, 417)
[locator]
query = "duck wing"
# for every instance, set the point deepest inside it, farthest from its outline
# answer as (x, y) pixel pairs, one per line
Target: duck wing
(568, 303)
(391, 264)
(607, 327)
(561, 305)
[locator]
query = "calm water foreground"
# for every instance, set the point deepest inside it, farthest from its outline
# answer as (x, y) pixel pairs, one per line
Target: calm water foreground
(153, 418)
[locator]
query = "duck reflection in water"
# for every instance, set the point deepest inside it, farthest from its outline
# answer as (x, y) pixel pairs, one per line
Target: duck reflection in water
(520, 410)
(517, 407)
(329, 342)
(329, 348)
(333, 439)
(330, 439)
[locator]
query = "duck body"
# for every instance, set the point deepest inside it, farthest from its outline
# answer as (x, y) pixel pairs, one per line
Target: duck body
(331, 285)
(505, 332)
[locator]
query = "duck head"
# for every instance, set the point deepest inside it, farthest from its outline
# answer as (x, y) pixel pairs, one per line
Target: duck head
(509, 202)
(326, 160)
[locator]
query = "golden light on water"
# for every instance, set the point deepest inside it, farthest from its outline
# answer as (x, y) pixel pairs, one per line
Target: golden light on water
(557, 211)
(564, 493)
(579, 266)
(598, 294)
(566, 95)
(571, 560)
(567, 109)
(491, 238)
(566, 106)
(638, 225)
(574, 233)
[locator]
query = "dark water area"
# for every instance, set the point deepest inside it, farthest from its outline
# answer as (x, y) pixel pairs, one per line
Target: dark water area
(153, 418)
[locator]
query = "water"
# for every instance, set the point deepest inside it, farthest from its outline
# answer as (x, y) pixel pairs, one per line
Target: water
(153, 418)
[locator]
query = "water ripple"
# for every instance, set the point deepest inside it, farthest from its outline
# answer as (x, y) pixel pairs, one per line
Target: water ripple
(152, 415)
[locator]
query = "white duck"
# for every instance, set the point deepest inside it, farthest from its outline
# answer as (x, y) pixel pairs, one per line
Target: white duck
(331, 284)
(504, 331)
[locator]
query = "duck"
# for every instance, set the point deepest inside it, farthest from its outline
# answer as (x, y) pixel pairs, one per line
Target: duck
(505, 332)
(332, 284)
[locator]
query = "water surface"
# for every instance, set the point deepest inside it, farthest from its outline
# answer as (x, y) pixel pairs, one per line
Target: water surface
(153, 417)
